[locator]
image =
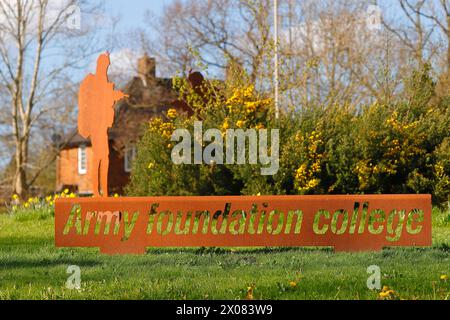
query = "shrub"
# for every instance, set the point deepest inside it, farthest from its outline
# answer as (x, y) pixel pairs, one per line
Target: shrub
(398, 147)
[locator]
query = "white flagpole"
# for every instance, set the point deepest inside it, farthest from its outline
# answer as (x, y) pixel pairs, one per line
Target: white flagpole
(276, 76)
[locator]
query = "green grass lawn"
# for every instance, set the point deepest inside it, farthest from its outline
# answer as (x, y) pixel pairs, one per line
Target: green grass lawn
(32, 268)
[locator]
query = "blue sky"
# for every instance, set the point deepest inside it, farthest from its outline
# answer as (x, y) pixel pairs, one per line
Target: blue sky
(132, 11)
(131, 14)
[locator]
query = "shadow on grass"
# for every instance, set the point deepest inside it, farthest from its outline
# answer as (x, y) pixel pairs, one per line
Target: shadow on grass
(387, 251)
(25, 241)
(40, 263)
(442, 247)
(238, 251)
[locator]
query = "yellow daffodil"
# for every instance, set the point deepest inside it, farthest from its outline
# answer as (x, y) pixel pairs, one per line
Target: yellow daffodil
(387, 293)
(250, 292)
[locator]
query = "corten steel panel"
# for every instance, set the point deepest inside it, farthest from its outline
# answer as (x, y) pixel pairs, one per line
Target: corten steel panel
(96, 99)
(144, 234)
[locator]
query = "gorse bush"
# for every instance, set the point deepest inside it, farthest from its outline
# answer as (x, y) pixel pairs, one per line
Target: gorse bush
(400, 146)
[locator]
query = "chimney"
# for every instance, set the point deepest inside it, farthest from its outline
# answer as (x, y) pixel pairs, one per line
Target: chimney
(146, 69)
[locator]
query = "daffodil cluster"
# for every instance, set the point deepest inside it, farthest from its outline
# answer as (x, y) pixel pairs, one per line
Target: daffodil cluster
(34, 203)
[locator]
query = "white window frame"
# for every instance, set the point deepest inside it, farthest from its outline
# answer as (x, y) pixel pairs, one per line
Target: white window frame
(128, 163)
(82, 167)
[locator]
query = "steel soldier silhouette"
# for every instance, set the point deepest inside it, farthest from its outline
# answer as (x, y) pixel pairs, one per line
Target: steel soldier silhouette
(96, 101)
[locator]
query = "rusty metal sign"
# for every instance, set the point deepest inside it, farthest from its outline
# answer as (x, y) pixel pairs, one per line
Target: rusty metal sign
(347, 223)
(130, 225)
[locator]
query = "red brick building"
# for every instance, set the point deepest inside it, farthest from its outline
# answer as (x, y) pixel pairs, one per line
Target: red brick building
(149, 96)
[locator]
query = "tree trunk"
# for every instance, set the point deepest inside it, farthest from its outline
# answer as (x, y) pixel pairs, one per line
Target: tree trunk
(20, 179)
(448, 47)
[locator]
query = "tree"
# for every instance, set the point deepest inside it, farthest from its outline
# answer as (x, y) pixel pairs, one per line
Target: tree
(214, 32)
(438, 12)
(414, 34)
(328, 51)
(40, 42)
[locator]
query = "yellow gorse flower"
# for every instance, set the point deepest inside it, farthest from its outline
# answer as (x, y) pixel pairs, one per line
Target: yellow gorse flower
(397, 125)
(239, 95)
(164, 129)
(225, 125)
(439, 169)
(172, 113)
(306, 175)
(240, 124)
(244, 109)
(251, 106)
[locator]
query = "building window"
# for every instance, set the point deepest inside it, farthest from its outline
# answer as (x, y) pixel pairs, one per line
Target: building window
(82, 160)
(130, 154)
